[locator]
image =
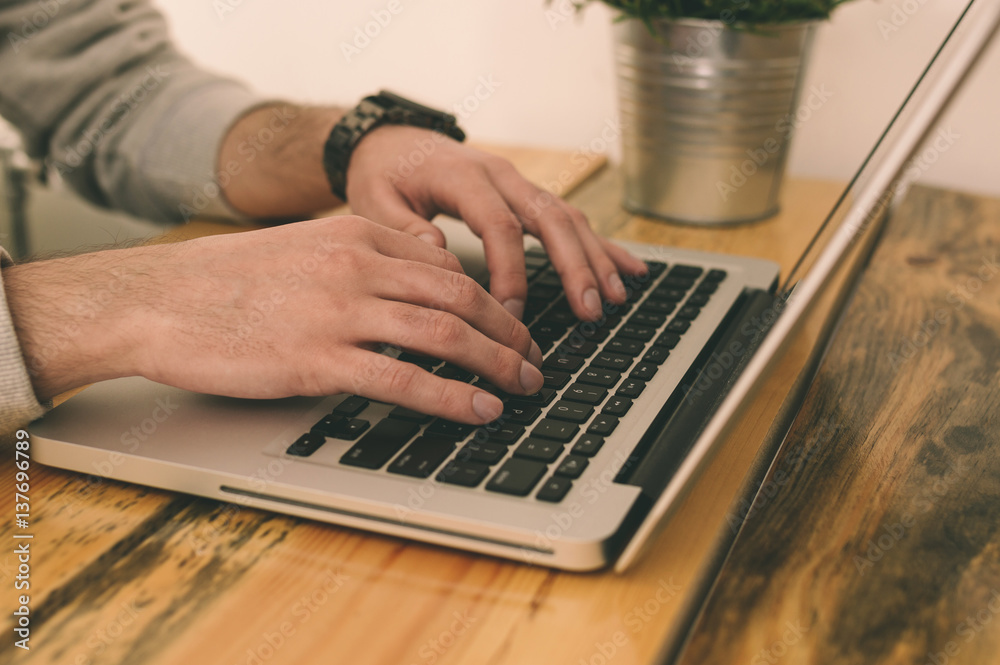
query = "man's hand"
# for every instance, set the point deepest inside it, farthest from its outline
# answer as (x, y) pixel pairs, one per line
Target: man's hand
(497, 203)
(284, 178)
(292, 310)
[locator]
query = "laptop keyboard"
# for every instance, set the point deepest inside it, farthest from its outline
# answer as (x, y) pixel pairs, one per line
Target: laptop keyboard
(593, 371)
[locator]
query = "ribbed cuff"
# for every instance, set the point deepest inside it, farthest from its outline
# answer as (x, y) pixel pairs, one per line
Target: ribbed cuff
(18, 404)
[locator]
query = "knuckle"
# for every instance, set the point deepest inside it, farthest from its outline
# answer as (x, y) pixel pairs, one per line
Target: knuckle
(399, 377)
(443, 328)
(463, 291)
(503, 220)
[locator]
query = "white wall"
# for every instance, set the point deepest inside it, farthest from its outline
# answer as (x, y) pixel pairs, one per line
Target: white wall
(556, 84)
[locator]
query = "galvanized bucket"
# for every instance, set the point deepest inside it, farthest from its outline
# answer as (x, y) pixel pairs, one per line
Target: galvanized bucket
(707, 113)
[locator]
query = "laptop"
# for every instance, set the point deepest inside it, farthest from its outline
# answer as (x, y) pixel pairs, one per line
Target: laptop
(579, 476)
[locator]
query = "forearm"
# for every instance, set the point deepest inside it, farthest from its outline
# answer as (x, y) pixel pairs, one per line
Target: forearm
(271, 161)
(78, 319)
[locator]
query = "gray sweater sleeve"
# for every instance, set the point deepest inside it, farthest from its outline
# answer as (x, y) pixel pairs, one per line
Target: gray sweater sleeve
(99, 92)
(18, 404)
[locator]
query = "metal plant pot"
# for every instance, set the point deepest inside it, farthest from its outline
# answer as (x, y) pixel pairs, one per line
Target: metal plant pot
(707, 114)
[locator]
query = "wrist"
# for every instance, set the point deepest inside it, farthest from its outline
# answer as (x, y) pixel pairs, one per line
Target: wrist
(273, 160)
(78, 319)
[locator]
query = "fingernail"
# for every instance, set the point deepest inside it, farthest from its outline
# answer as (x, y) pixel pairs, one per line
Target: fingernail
(531, 378)
(535, 355)
(616, 286)
(428, 238)
(488, 407)
(515, 306)
(592, 301)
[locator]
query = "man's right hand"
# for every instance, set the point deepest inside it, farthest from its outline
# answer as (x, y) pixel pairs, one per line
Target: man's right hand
(292, 310)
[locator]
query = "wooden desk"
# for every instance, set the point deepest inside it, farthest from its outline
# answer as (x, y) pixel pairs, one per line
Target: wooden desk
(124, 574)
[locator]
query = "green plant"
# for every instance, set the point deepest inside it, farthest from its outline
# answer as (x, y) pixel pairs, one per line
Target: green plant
(731, 12)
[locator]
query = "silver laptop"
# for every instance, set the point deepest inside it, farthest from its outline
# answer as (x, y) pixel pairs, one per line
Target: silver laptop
(579, 476)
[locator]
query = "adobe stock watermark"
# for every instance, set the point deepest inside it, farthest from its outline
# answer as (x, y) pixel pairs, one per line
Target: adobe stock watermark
(370, 31)
(899, 16)
(72, 156)
(249, 149)
(921, 504)
(426, 146)
(958, 297)
(102, 638)
(35, 23)
(779, 648)
(434, 648)
(784, 128)
(301, 611)
(967, 629)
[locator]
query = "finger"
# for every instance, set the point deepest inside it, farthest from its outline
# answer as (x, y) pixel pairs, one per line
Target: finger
(626, 263)
(445, 336)
(389, 380)
(388, 207)
(431, 287)
(611, 285)
(477, 201)
(559, 233)
(402, 245)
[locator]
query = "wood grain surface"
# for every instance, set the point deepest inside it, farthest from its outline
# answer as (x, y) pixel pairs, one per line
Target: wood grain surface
(882, 543)
(124, 574)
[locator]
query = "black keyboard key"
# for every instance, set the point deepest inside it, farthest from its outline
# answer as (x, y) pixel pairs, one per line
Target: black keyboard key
(573, 412)
(668, 340)
(422, 361)
(624, 345)
(656, 268)
(330, 426)
(306, 444)
(635, 331)
(517, 476)
(501, 432)
(549, 277)
(617, 406)
(679, 283)
(545, 330)
(542, 398)
(667, 294)
(658, 306)
(572, 466)
(545, 344)
(576, 347)
(589, 330)
(688, 312)
(715, 276)
(378, 446)
(484, 452)
(466, 474)
(563, 363)
(565, 319)
(402, 413)
(685, 271)
(557, 430)
(644, 371)
(631, 388)
(679, 326)
(697, 300)
(707, 288)
(579, 392)
(449, 371)
(522, 414)
(449, 429)
(554, 378)
(656, 355)
(597, 376)
(352, 428)
(351, 406)
(554, 489)
(422, 457)
(539, 449)
(603, 425)
(588, 445)
(616, 361)
(654, 319)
